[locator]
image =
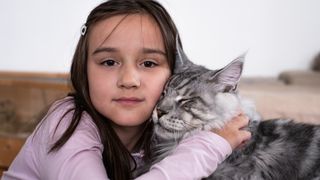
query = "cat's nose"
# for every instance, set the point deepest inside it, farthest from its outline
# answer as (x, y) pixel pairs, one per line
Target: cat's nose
(161, 112)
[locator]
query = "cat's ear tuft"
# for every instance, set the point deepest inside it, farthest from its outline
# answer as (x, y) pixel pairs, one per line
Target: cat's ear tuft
(182, 62)
(229, 76)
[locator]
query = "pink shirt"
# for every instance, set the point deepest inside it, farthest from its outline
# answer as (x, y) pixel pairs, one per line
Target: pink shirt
(81, 157)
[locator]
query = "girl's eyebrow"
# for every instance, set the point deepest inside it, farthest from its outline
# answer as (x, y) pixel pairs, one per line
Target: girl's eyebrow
(104, 49)
(145, 50)
(153, 51)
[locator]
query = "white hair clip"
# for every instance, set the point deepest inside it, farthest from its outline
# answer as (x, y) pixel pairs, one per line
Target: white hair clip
(83, 30)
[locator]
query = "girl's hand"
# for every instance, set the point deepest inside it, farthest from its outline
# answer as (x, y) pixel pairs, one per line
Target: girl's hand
(232, 131)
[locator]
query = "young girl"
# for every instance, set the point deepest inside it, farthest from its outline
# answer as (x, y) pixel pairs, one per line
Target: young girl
(102, 130)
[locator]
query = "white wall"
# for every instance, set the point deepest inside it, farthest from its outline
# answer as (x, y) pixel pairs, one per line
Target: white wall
(40, 35)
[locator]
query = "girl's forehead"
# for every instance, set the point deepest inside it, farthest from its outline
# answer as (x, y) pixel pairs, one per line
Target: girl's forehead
(138, 28)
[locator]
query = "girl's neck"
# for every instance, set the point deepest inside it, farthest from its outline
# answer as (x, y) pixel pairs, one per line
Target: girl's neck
(129, 136)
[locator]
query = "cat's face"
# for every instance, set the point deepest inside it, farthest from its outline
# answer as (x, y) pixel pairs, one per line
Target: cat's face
(196, 98)
(185, 105)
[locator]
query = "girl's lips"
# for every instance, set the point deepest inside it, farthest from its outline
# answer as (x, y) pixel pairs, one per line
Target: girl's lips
(129, 100)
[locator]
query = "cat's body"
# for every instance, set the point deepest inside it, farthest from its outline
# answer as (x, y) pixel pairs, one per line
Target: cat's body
(196, 98)
(278, 150)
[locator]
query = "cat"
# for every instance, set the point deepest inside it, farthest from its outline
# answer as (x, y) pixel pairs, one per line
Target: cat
(196, 98)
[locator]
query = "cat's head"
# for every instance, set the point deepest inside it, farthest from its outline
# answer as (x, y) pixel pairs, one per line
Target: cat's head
(196, 98)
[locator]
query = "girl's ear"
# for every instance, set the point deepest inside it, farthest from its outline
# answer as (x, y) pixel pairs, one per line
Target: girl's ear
(229, 76)
(182, 62)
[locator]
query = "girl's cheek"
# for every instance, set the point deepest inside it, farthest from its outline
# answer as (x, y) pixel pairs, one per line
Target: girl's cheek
(161, 83)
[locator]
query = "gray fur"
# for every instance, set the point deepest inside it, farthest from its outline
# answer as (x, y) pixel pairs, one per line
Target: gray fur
(196, 98)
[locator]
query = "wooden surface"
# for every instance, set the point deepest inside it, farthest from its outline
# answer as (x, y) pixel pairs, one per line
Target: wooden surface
(59, 81)
(24, 96)
(9, 148)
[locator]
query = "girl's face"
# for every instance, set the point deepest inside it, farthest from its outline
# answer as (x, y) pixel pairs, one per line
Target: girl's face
(127, 68)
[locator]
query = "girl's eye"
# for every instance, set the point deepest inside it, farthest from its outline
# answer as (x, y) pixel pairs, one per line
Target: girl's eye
(149, 64)
(109, 62)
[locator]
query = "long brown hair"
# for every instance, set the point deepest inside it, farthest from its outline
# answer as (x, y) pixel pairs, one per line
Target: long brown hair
(116, 158)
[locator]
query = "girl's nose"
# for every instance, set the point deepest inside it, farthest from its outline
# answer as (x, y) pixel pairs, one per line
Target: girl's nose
(128, 77)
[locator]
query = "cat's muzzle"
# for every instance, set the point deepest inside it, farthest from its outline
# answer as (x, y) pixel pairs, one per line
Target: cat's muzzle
(160, 112)
(157, 114)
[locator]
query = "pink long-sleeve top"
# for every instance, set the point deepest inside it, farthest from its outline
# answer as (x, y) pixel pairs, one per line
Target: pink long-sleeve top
(81, 157)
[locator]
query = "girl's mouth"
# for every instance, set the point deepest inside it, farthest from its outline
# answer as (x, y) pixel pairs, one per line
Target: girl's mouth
(129, 101)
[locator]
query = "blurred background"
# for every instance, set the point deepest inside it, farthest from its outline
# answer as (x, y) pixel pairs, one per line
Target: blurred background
(281, 38)
(40, 35)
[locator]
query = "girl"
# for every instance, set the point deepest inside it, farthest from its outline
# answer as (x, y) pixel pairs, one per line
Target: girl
(123, 58)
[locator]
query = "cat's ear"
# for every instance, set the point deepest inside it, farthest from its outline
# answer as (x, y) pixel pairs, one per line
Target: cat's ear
(182, 62)
(229, 76)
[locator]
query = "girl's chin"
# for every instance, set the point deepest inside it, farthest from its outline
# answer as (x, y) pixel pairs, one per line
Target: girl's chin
(128, 122)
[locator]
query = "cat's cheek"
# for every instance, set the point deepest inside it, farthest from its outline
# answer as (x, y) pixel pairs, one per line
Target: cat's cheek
(186, 119)
(162, 133)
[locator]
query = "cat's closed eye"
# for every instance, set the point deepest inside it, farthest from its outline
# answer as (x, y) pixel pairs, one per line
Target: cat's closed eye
(186, 104)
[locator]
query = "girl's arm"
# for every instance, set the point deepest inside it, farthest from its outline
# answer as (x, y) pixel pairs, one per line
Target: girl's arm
(80, 158)
(198, 156)
(195, 157)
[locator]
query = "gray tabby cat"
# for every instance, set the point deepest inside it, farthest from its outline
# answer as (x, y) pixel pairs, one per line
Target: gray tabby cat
(196, 98)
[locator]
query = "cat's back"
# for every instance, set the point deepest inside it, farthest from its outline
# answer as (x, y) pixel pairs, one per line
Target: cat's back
(278, 149)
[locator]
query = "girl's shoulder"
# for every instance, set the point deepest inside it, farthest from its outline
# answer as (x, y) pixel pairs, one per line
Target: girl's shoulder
(58, 119)
(81, 153)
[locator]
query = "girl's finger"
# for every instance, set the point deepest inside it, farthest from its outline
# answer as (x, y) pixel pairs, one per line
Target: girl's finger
(245, 135)
(240, 121)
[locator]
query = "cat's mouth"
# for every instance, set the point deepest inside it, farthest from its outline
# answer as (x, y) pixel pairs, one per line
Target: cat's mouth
(160, 125)
(166, 133)
(164, 129)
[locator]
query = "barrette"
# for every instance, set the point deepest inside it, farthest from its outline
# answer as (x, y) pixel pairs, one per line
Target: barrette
(83, 30)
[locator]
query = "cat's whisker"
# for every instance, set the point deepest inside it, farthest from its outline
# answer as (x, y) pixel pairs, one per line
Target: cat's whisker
(185, 124)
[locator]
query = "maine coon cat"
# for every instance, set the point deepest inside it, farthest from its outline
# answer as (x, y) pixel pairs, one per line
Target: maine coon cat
(196, 98)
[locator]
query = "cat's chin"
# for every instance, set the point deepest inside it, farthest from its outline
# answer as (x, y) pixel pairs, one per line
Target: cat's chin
(167, 134)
